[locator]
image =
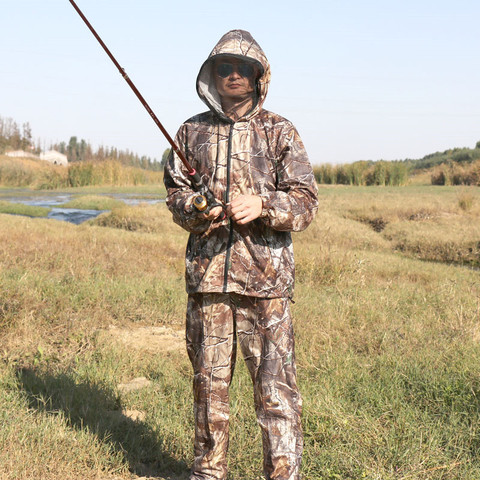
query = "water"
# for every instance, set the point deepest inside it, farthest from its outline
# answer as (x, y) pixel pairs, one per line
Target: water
(54, 200)
(73, 215)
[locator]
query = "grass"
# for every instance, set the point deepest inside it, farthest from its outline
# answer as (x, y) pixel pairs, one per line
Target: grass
(93, 202)
(387, 340)
(422, 224)
(142, 191)
(20, 209)
(132, 218)
(41, 175)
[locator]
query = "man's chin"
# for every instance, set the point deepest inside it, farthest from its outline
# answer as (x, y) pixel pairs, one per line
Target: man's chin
(240, 97)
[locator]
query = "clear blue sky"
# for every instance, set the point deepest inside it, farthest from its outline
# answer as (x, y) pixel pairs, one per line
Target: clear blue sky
(364, 79)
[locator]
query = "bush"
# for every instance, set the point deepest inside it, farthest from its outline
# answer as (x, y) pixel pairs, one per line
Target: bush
(456, 174)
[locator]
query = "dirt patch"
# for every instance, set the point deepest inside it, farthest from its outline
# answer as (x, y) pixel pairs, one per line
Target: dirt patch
(378, 224)
(148, 339)
(120, 416)
(135, 384)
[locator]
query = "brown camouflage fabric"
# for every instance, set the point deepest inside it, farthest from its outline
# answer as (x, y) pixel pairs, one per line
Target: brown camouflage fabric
(240, 278)
(260, 154)
(265, 335)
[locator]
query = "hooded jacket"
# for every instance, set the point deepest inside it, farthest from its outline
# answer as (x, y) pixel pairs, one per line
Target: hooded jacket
(261, 154)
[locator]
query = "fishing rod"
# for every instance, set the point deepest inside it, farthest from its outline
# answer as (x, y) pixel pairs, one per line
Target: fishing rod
(205, 201)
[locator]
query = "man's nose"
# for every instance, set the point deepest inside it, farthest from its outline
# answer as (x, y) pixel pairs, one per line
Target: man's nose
(235, 73)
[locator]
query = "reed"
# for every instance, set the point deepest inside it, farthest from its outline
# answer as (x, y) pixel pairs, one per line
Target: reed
(38, 174)
(25, 172)
(109, 172)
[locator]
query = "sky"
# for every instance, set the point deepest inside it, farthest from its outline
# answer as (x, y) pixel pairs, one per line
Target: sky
(360, 80)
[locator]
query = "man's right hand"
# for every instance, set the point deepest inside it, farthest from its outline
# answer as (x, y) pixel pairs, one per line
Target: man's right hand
(212, 214)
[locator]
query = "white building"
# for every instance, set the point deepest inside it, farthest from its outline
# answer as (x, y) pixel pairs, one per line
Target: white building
(54, 157)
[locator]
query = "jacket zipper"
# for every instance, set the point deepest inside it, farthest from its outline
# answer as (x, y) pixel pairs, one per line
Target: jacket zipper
(227, 199)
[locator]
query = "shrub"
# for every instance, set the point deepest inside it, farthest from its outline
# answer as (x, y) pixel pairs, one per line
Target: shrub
(456, 174)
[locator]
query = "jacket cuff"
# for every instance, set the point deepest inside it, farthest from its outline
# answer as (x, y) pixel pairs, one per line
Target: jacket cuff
(266, 205)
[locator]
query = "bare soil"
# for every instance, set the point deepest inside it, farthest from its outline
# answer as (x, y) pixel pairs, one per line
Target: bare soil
(148, 339)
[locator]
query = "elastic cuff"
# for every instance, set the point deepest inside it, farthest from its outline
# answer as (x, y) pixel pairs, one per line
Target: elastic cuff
(265, 206)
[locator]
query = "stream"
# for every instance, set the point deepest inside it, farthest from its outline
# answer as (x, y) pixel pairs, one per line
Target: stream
(54, 200)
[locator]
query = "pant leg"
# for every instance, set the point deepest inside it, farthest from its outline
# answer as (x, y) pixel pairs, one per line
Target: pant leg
(265, 335)
(211, 348)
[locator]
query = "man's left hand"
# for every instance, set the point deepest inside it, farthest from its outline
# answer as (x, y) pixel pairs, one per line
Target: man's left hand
(245, 208)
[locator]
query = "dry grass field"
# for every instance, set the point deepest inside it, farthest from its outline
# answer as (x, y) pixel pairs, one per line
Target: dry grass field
(39, 174)
(95, 382)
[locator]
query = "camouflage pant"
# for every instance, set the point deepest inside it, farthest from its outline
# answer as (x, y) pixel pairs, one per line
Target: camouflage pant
(265, 335)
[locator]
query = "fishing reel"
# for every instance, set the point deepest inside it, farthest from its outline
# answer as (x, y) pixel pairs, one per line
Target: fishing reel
(200, 203)
(204, 205)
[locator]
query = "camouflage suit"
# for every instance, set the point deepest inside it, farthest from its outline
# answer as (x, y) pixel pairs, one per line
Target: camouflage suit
(240, 278)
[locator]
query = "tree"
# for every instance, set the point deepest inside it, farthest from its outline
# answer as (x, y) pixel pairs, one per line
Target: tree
(72, 150)
(165, 156)
(26, 141)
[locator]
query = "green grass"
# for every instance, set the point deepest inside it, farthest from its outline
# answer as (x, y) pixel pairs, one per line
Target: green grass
(387, 344)
(145, 218)
(20, 209)
(93, 202)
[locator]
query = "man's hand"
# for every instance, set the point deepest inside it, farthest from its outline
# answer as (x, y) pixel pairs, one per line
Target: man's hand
(212, 214)
(245, 208)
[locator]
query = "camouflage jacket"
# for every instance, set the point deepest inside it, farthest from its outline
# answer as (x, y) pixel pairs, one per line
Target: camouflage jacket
(260, 154)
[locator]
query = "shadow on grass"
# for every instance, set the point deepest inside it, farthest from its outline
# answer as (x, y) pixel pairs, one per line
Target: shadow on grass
(92, 407)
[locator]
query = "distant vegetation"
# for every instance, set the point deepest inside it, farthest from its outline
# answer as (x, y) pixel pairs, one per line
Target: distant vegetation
(110, 172)
(81, 151)
(111, 166)
(457, 174)
(87, 167)
(458, 166)
(363, 173)
(15, 137)
(26, 172)
(455, 155)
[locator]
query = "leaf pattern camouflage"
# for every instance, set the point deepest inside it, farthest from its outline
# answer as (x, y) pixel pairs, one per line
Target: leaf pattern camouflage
(265, 335)
(240, 278)
(260, 154)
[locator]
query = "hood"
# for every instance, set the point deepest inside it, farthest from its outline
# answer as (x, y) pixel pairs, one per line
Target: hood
(238, 43)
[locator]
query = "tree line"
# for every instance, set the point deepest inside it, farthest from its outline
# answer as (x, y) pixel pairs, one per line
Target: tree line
(19, 137)
(79, 150)
(457, 166)
(16, 137)
(462, 156)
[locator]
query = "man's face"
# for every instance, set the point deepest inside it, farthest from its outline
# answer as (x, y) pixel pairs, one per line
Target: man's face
(234, 78)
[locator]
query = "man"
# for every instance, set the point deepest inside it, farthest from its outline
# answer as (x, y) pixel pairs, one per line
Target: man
(239, 266)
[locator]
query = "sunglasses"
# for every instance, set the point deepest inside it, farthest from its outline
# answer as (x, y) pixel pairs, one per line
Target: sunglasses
(246, 70)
